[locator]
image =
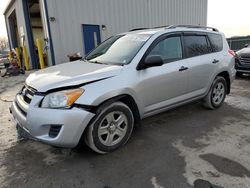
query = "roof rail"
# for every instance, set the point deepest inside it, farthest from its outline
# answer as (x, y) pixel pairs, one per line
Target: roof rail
(136, 29)
(193, 26)
(142, 28)
(162, 26)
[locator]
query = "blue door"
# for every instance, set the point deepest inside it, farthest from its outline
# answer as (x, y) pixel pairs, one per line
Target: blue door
(91, 37)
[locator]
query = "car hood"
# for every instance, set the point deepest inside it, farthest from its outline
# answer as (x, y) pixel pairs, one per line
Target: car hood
(70, 74)
(244, 51)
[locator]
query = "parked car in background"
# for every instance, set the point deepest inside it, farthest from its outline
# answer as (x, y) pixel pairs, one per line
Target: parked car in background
(128, 77)
(242, 62)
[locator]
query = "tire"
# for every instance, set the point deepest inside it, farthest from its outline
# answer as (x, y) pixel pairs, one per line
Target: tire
(216, 95)
(111, 128)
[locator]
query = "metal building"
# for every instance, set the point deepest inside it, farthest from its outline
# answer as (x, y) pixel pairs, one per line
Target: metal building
(79, 25)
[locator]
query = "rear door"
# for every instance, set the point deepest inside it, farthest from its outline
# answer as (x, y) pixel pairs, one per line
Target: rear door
(203, 62)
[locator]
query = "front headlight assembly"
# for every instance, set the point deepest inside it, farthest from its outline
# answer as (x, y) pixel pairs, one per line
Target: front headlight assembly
(61, 99)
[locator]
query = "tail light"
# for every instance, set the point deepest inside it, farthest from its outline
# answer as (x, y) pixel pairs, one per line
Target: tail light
(232, 52)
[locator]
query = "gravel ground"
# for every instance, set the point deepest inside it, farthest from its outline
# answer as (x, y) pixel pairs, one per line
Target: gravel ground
(9, 82)
(169, 150)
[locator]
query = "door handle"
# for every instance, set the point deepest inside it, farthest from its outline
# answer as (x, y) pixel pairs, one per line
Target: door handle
(215, 61)
(183, 68)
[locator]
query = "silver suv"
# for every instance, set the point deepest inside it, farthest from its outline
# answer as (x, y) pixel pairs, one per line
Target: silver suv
(128, 77)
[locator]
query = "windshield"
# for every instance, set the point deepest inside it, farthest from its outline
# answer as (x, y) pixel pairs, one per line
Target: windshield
(118, 50)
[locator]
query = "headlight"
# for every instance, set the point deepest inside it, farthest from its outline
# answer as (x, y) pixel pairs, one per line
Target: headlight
(61, 99)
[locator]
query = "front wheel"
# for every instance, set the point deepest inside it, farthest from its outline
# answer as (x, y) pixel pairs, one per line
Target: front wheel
(111, 128)
(217, 93)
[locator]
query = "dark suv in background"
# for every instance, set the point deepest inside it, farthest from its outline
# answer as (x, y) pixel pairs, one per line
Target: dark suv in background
(242, 62)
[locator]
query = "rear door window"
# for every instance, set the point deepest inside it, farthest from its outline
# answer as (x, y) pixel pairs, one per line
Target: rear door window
(216, 42)
(196, 45)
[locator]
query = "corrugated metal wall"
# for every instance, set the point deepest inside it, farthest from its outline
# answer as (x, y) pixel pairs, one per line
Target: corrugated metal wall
(118, 16)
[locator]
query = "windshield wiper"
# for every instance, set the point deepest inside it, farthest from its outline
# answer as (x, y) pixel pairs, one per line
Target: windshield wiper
(98, 62)
(94, 56)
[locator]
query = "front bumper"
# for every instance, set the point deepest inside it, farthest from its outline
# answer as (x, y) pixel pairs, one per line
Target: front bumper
(242, 67)
(38, 122)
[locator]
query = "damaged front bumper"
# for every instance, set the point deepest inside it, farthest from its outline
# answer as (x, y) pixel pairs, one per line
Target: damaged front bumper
(59, 127)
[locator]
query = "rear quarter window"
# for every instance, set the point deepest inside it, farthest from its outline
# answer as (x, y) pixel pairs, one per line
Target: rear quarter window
(216, 42)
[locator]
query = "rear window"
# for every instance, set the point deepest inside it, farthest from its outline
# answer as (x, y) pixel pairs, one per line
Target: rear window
(196, 45)
(216, 42)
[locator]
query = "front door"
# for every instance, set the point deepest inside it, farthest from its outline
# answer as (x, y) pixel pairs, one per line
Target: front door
(91, 37)
(162, 86)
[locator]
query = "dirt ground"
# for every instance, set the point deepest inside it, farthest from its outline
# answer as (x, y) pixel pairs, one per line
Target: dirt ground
(169, 150)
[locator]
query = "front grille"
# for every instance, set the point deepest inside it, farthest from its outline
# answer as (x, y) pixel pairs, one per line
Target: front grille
(245, 59)
(27, 99)
(20, 109)
(54, 130)
(27, 93)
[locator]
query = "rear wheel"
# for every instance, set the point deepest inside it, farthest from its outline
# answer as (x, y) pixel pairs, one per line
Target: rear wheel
(111, 128)
(217, 93)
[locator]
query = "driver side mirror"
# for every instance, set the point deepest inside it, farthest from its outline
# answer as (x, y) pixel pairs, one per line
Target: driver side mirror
(151, 61)
(246, 45)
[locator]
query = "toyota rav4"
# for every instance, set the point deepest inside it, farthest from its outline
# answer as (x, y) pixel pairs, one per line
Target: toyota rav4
(128, 77)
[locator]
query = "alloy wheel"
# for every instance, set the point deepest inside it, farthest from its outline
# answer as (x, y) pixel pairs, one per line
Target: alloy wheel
(113, 128)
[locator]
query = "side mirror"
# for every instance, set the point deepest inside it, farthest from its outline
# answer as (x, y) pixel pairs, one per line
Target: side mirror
(246, 45)
(151, 61)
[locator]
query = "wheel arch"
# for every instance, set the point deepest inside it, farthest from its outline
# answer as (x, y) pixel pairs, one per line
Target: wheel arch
(226, 76)
(129, 101)
(124, 98)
